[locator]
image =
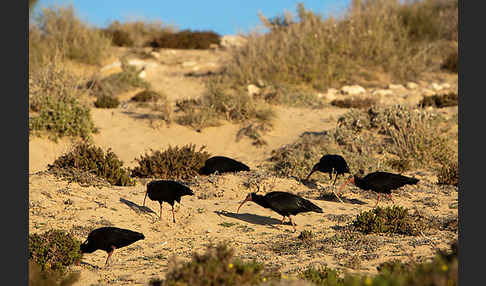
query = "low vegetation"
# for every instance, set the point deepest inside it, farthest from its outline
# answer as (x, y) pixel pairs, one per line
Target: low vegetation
(106, 101)
(217, 266)
(448, 174)
(186, 39)
(54, 250)
(136, 33)
(221, 103)
(440, 100)
(56, 33)
(37, 277)
(117, 83)
(380, 138)
(146, 95)
(54, 105)
(442, 270)
(389, 220)
(175, 163)
(393, 38)
(86, 158)
(354, 102)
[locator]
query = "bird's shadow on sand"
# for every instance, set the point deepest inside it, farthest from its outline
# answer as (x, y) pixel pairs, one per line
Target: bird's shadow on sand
(137, 208)
(330, 197)
(251, 218)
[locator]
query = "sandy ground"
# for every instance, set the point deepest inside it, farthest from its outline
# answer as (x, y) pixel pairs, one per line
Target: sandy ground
(210, 216)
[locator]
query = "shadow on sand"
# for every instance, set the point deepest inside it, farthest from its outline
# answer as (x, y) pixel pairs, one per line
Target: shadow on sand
(137, 208)
(251, 218)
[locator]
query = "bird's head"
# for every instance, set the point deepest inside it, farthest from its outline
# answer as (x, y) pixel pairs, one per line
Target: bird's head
(315, 168)
(247, 199)
(85, 247)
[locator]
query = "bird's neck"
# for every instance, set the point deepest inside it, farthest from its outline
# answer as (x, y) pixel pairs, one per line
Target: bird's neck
(260, 200)
(359, 182)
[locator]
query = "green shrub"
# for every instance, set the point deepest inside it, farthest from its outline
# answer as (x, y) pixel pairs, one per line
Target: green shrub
(186, 39)
(58, 33)
(451, 62)
(449, 174)
(221, 103)
(442, 100)
(145, 96)
(106, 101)
(354, 102)
(37, 277)
(54, 106)
(136, 33)
(217, 266)
(88, 158)
(54, 250)
(173, 163)
(389, 220)
(441, 271)
(117, 83)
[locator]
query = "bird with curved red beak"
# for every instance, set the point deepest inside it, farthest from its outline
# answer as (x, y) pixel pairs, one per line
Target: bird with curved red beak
(283, 203)
(380, 182)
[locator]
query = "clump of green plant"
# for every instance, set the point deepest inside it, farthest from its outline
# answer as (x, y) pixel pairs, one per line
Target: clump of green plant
(449, 174)
(221, 103)
(123, 81)
(451, 62)
(306, 236)
(442, 270)
(136, 33)
(37, 277)
(56, 32)
(92, 159)
(354, 102)
(106, 101)
(291, 96)
(255, 132)
(389, 220)
(146, 96)
(54, 106)
(321, 276)
(373, 37)
(54, 250)
(439, 101)
(217, 266)
(186, 39)
(173, 163)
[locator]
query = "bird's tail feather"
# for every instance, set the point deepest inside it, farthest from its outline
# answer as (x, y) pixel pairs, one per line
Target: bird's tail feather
(310, 206)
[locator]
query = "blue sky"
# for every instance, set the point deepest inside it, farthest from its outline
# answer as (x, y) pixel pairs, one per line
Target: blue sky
(222, 16)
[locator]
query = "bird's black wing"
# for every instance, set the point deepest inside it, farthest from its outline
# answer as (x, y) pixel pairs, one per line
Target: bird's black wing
(387, 181)
(289, 203)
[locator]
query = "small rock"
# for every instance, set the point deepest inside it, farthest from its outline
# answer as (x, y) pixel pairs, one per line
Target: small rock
(412, 85)
(142, 74)
(189, 64)
(260, 83)
(395, 86)
(352, 89)
(332, 91)
(428, 92)
(253, 90)
(382, 92)
(155, 55)
(436, 86)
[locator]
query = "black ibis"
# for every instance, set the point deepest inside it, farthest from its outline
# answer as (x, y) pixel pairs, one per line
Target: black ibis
(283, 203)
(331, 163)
(222, 165)
(166, 191)
(381, 182)
(108, 239)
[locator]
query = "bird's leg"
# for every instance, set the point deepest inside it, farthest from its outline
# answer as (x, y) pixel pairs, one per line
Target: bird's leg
(290, 219)
(390, 196)
(333, 186)
(109, 255)
(377, 199)
(160, 215)
(173, 216)
(283, 218)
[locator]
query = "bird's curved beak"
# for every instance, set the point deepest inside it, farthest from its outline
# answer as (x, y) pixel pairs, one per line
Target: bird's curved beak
(312, 171)
(351, 179)
(242, 203)
(146, 192)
